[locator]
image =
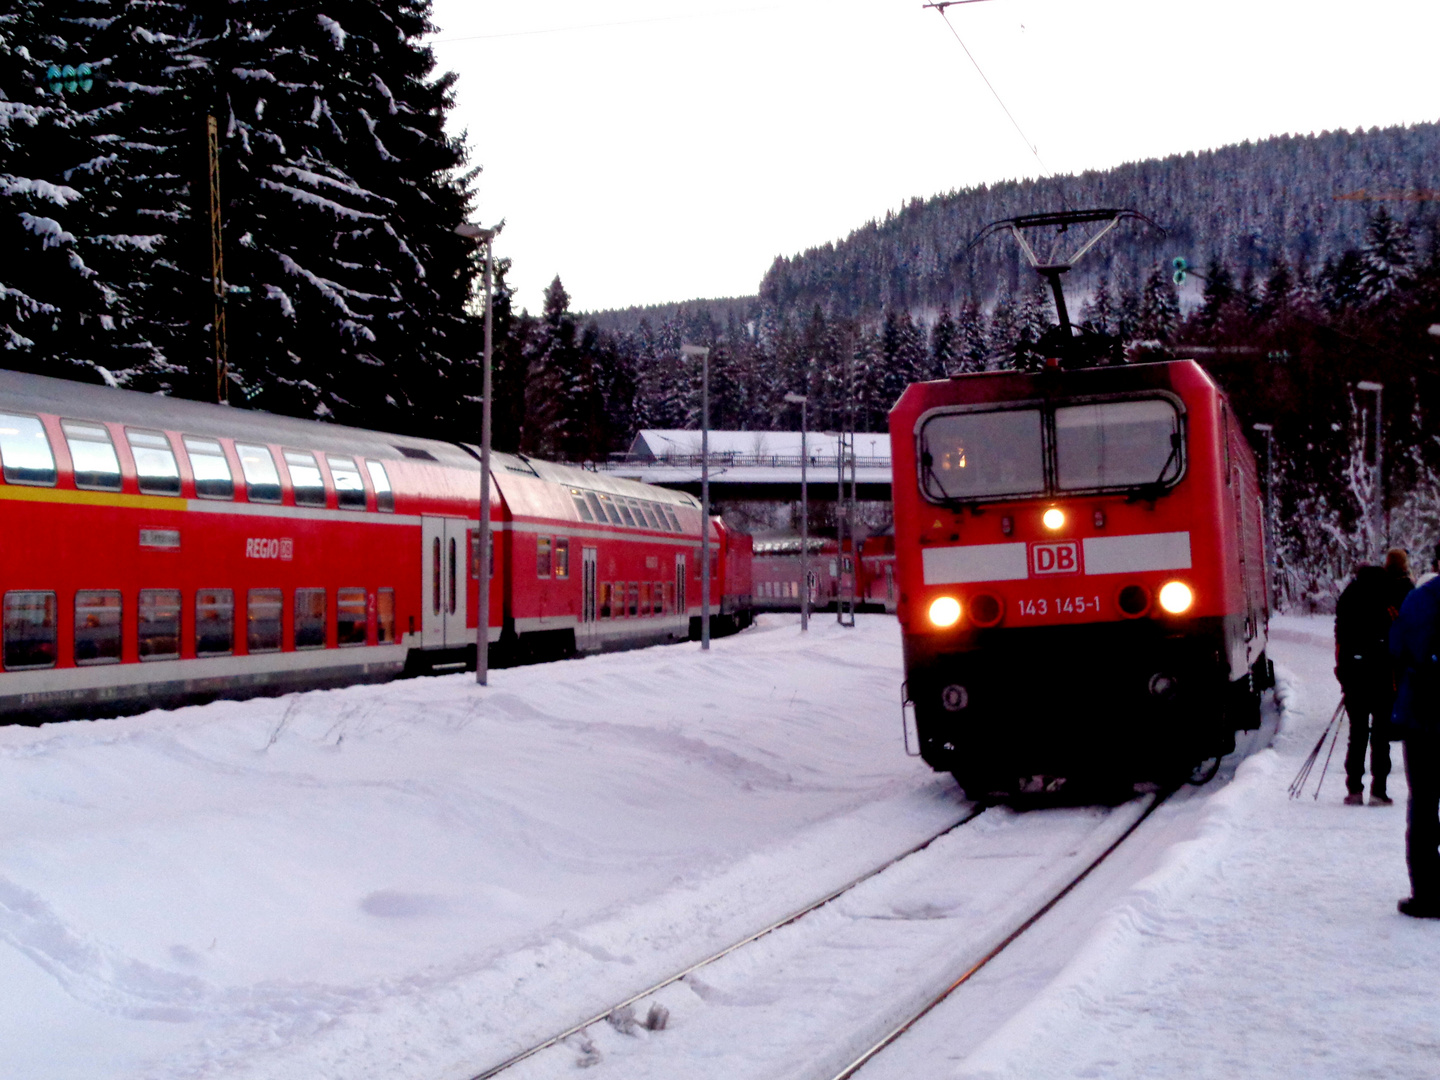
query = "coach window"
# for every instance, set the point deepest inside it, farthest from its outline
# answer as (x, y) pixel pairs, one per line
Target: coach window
(580, 508)
(593, 501)
(97, 626)
(674, 521)
(309, 618)
(634, 608)
(658, 591)
(214, 622)
(93, 455)
(212, 471)
(542, 557)
(25, 451)
(1117, 444)
(605, 611)
(385, 617)
(562, 558)
(652, 518)
(263, 620)
(645, 598)
(154, 462)
(305, 478)
(349, 489)
(669, 598)
(625, 514)
(31, 632)
(349, 617)
(384, 496)
(611, 511)
(159, 612)
(262, 481)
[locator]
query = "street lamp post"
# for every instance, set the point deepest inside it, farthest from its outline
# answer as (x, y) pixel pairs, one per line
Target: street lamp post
(803, 402)
(482, 600)
(704, 354)
(1381, 531)
(1271, 526)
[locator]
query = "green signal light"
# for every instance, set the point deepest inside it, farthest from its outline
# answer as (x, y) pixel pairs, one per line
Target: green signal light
(71, 82)
(1181, 266)
(84, 77)
(53, 80)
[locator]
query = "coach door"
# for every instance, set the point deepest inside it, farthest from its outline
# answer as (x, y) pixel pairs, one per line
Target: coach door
(444, 585)
(681, 606)
(588, 564)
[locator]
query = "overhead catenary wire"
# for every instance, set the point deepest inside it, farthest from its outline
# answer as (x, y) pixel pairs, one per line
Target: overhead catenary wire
(608, 25)
(940, 7)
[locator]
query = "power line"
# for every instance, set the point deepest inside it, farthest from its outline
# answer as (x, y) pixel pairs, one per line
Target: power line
(940, 6)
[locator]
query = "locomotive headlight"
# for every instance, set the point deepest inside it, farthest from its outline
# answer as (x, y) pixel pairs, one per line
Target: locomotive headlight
(1053, 518)
(1176, 597)
(945, 611)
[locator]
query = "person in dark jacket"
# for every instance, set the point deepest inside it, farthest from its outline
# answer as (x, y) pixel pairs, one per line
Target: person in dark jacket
(1415, 649)
(1363, 616)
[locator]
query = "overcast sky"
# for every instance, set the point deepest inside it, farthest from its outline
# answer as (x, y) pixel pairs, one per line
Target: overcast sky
(656, 150)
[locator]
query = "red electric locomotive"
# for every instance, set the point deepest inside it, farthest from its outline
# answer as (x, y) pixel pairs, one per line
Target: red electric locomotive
(1081, 572)
(159, 551)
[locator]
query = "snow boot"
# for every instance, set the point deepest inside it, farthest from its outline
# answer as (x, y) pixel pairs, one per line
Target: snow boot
(1355, 798)
(1379, 798)
(1418, 909)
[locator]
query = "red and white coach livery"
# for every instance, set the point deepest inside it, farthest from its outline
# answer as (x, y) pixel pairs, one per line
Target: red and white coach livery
(1081, 572)
(159, 551)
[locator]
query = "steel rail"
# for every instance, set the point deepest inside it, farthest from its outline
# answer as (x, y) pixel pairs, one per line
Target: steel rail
(900, 1029)
(814, 905)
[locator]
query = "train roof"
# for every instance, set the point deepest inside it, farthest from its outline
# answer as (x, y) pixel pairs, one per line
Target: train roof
(87, 401)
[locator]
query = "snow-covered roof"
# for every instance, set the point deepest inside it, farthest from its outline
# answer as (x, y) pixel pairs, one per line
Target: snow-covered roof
(658, 444)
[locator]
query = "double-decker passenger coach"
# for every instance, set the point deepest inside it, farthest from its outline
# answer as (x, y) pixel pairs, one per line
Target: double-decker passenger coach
(1081, 573)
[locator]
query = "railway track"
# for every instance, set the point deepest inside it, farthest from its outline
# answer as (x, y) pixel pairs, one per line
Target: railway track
(670, 980)
(1092, 843)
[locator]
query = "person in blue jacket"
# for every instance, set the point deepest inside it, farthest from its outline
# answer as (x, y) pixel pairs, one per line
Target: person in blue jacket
(1415, 648)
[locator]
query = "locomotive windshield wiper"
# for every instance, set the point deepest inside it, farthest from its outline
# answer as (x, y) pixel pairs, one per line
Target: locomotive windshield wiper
(1149, 492)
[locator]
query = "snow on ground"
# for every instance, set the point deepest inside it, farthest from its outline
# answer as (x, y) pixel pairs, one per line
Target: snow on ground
(417, 879)
(1266, 945)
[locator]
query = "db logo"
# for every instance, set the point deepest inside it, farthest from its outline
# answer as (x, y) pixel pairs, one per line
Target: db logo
(1060, 557)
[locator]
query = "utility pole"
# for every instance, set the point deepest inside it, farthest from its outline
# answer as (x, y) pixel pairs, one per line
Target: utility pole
(482, 598)
(1382, 531)
(704, 354)
(217, 263)
(1271, 526)
(803, 402)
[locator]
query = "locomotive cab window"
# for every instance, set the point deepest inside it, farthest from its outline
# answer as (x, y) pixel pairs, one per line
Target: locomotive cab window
(305, 478)
(981, 455)
(93, 455)
(25, 451)
(262, 481)
(1117, 444)
(31, 634)
(154, 462)
(97, 626)
(212, 471)
(349, 488)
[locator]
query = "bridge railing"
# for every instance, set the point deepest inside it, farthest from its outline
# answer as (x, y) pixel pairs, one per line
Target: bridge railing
(730, 459)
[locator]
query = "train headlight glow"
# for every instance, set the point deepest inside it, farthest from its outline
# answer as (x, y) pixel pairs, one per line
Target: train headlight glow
(1176, 597)
(945, 611)
(1053, 518)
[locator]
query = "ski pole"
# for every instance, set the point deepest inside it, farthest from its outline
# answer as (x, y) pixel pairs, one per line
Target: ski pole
(1333, 740)
(1297, 786)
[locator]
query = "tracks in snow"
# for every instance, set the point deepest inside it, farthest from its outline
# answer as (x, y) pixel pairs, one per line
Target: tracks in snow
(866, 960)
